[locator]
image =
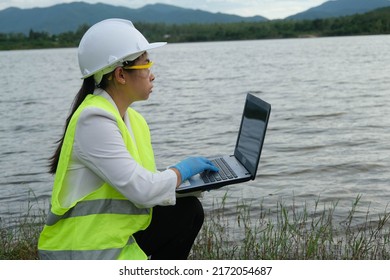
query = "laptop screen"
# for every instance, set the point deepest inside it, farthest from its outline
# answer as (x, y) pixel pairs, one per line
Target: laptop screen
(252, 132)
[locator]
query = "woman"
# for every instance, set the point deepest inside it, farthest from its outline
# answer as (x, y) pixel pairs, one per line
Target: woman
(108, 200)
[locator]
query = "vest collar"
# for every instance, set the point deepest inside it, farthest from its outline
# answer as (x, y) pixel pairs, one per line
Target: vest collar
(103, 93)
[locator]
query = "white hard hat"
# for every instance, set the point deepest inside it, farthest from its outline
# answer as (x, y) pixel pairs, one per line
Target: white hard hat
(107, 44)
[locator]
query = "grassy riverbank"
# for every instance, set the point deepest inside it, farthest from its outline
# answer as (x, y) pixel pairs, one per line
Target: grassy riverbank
(309, 234)
(19, 242)
(288, 234)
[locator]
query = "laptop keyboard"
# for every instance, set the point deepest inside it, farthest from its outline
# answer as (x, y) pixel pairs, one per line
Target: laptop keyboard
(224, 173)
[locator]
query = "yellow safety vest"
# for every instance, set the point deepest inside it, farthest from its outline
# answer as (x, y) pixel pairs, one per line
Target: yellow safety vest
(101, 224)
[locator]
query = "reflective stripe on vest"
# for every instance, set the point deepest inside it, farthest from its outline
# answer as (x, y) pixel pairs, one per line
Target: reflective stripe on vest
(99, 225)
(102, 206)
(108, 254)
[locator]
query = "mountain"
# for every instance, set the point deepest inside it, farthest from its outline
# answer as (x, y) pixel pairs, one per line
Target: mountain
(337, 8)
(68, 17)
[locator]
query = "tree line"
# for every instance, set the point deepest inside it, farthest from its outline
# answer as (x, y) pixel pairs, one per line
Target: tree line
(372, 23)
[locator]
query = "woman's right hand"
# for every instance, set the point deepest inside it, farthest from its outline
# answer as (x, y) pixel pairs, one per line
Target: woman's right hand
(192, 166)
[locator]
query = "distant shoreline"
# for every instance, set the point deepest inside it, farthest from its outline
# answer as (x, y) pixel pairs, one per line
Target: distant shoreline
(372, 23)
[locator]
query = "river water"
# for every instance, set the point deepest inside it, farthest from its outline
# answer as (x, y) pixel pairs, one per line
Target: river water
(328, 139)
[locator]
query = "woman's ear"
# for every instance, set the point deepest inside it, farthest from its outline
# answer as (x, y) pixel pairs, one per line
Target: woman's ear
(119, 75)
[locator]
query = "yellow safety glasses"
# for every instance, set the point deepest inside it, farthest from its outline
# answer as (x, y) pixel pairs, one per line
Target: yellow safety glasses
(139, 67)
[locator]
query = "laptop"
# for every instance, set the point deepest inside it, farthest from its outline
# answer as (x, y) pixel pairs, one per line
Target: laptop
(242, 165)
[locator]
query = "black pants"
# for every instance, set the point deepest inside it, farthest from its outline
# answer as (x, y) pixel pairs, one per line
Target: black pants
(173, 230)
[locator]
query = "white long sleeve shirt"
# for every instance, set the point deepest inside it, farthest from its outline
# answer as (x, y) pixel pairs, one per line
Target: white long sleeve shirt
(99, 155)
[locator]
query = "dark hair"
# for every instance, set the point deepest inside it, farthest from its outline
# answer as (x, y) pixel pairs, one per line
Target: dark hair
(87, 88)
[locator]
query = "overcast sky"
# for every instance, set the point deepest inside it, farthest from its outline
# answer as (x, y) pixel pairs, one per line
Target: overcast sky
(271, 9)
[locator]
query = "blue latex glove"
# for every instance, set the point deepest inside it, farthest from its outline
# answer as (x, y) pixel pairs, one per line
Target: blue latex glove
(194, 165)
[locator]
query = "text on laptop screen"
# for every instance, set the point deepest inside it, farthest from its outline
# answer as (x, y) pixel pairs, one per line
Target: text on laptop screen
(250, 141)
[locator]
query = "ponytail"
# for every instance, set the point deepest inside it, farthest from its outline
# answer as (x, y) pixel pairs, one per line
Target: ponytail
(88, 87)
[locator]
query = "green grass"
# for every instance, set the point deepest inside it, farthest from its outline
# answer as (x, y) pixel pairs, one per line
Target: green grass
(19, 236)
(291, 235)
(281, 233)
